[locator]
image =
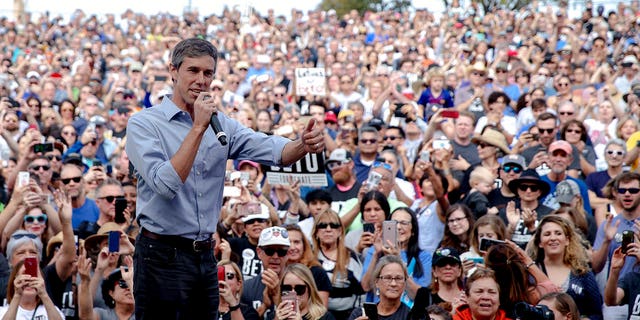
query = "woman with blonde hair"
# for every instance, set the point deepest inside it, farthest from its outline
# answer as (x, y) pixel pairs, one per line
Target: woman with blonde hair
(230, 292)
(342, 265)
(308, 305)
(300, 252)
(558, 252)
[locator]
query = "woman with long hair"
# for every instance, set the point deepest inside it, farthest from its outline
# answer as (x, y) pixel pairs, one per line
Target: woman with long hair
(575, 132)
(457, 231)
(557, 251)
(488, 226)
(27, 296)
(389, 279)
(230, 291)
(308, 304)
(418, 261)
(374, 208)
(342, 265)
(520, 278)
(300, 252)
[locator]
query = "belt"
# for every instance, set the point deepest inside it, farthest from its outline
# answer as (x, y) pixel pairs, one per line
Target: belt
(185, 244)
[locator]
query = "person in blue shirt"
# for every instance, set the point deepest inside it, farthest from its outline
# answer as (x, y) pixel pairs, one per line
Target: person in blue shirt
(180, 165)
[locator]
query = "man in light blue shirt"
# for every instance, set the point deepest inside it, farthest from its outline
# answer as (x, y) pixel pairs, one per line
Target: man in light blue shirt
(181, 168)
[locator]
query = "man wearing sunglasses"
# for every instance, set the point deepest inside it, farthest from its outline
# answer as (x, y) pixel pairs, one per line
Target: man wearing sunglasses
(625, 189)
(106, 195)
(539, 156)
(260, 291)
(367, 151)
(511, 168)
(246, 245)
(615, 152)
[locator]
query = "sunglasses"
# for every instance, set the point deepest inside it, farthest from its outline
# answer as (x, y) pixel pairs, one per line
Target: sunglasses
(22, 235)
(332, 225)
(565, 113)
(230, 275)
(548, 130)
(74, 179)
(379, 164)
(524, 187)
(300, 289)
(41, 218)
(368, 141)
(574, 130)
(631, 190)
(617, 152)
(43, 167)
(270, 251)
(333, 165)
(51, 157)
(123, 284)
(515, 169)
(111, 198)
(484, 145)
(392, 138)
(252, 221)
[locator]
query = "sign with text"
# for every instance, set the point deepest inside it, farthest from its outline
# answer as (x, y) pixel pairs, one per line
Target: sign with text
(310, 81)
(308, 170)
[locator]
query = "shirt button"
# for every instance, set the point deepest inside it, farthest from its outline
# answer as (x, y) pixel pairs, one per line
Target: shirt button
(199, 194)
(197, 173)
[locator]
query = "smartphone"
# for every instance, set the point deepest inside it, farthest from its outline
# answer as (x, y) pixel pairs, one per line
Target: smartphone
(284, 130)
(486, 243)
(221, 274)
(43, 147)
(23, 178)
(389, 232)
(244, 178)
(476, 259)
(97, 163)
(373, 180)
(370, 310)
(369, 227)
(627, 238)
(250, 208)
(161, 78)
(114, 241)
(454, 114)
(230, 191)
(441, 144)
(425, 156)
(76, 240)
(262, 78)
(31, 266)
(121, 204)
(290, 296)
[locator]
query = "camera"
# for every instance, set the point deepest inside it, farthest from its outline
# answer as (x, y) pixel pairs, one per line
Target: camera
(526, 311)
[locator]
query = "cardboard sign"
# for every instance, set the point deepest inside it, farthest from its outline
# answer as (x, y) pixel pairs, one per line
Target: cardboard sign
(310, 81)
(308, 170)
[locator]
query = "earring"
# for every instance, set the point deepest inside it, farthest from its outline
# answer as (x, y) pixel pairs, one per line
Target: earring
(377, 291)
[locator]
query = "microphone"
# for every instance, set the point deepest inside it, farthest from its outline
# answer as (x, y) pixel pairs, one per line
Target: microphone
(217, 129)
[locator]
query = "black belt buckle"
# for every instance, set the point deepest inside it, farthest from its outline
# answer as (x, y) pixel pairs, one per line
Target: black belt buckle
(201, 245)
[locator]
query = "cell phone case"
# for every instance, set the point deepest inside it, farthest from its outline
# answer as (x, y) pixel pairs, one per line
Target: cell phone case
(389, 232)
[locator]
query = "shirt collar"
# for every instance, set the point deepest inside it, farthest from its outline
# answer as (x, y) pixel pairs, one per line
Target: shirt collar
(169, 108)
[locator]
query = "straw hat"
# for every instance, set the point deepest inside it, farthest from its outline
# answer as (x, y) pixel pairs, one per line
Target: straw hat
(494, 138)
(92, 242)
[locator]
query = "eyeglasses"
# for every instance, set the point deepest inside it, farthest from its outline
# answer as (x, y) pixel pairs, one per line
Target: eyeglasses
(123, 284)
(565, 113)
(390, 279)
(379, 164)
(501, 71)
(324, 225)
(111, 198)
(456, 220)
(300, 289)
(368, 141)
(74, 179)
(252, 221)
(574, 130)
(525, 187)
(631, 190)
(335, 164)
(404, 223)
(515, 169)
(30, 219)
(548, 130)
(51, 157)
(44, 167)
(270, 251)
(22, 235)
(616, 152)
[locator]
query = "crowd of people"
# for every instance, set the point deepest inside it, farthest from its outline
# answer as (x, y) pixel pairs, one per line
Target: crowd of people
(457, 149)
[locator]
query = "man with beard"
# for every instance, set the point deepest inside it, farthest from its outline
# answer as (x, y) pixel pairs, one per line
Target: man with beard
(560, 157)
(625, 189)
(84, 209)
(340, 166)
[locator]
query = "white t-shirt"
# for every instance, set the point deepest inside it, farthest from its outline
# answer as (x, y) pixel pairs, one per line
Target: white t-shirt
(23, 314)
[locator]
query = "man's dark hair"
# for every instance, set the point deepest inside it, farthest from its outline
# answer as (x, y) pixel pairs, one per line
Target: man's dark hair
(494, 96)
(546, 116)
(193, 48)
(318, 194)
(400, 131)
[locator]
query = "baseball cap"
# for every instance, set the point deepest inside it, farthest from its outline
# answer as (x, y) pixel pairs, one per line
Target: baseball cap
(242, 65)
(560, 145)
(514, 159)
(566, 190)
(33, 74)
(339, 155)
(263, 214)
(98, 120)
(445, 255)
(329, 116)
(274, 236)
(249, 162)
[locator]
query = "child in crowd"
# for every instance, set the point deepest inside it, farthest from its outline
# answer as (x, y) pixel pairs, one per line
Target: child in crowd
(481, 183)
